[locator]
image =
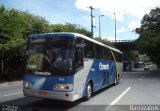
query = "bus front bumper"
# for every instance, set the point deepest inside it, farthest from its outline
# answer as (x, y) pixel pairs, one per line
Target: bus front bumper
(67, 96)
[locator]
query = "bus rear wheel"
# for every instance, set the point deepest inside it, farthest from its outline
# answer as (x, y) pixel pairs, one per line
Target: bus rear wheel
(89, 91)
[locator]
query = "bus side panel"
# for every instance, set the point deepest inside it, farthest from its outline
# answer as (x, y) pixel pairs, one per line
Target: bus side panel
(81, 77)
(105, 72)
(101, 73)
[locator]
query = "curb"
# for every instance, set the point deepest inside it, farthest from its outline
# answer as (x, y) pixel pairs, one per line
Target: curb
(14, 83)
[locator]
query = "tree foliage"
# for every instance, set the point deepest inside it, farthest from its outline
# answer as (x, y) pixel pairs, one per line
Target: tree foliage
(104, 41)
(16, 26)
(130, 55)
(68, 27)
(149, 35)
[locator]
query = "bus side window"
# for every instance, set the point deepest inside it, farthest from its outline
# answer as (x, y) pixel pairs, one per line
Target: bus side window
(99, 52)
(88, 49)
(107, 54)
(79, 53)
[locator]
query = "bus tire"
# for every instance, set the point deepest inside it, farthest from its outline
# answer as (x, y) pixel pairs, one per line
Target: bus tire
(89, 91)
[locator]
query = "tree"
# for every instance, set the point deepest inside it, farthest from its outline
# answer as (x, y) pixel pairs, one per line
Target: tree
(104, 41)
(34, 24)
(130, 55)
(15, 26)
(11, 25)
(149, 35)
(68, 27)
(3, 36)
(11, 32)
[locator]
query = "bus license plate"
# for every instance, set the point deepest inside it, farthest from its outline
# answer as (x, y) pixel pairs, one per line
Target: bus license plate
(42, 93)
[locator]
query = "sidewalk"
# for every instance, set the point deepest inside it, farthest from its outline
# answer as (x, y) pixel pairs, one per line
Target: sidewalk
(14, 83)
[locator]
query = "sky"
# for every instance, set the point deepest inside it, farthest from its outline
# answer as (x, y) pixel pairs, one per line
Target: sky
(129, 14)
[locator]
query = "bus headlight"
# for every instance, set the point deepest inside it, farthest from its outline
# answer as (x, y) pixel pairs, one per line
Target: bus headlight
(63, 87)
(27, 84)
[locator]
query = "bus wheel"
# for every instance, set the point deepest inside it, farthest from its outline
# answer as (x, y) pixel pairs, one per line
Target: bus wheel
(89, 91)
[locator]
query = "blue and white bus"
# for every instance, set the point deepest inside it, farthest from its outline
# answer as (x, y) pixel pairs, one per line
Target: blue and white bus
(69, 66)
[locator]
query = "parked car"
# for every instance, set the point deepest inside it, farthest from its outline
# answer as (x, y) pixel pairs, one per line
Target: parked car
(146, 67)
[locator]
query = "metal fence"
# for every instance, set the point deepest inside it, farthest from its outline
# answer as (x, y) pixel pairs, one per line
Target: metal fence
(11, 69)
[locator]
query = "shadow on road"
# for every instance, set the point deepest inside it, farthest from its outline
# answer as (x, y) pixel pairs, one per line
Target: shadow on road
(37, 104)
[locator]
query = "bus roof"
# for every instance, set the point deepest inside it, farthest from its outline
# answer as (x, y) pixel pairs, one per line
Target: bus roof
(75, 35)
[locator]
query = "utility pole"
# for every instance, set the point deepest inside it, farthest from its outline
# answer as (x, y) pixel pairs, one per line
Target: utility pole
(91, 8)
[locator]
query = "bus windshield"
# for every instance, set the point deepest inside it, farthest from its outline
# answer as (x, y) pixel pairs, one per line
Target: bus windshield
(50, 54)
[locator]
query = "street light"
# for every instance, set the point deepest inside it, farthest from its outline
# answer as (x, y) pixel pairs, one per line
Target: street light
(115, 25)
(100, 25)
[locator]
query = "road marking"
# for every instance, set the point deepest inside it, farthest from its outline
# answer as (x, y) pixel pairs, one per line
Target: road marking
(13, 94)
(120, 96)
(141, 78)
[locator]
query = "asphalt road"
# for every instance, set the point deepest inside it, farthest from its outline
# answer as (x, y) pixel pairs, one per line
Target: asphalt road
(136, 88)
